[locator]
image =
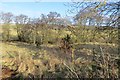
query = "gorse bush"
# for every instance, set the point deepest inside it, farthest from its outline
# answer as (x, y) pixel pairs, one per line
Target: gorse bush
(6, 32)
(44, 34)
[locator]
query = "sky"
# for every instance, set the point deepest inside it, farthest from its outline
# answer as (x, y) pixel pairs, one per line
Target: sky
(34, 9)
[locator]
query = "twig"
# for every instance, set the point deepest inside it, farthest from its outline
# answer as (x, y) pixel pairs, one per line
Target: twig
(71, 70)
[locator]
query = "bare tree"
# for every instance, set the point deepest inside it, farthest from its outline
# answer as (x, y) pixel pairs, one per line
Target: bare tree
(52, 16)
(6, 19)
(110, 9)
(20, 21)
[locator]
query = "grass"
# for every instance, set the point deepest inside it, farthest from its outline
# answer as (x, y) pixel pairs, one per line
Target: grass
(26, 58)
(13, 53)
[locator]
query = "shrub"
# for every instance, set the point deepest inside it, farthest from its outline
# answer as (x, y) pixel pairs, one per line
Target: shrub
(6, 32)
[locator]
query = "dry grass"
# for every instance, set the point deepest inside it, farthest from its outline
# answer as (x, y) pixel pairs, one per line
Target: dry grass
(27, 59)
(16, 56)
